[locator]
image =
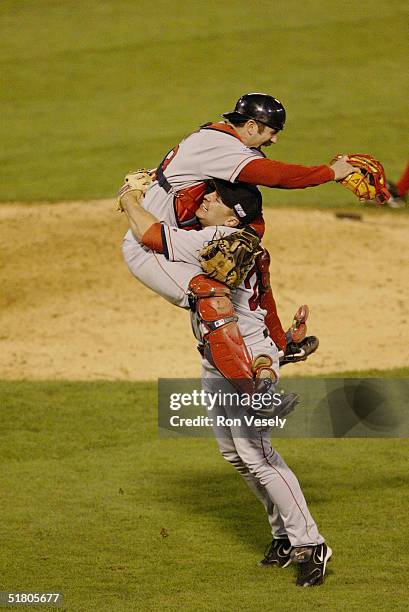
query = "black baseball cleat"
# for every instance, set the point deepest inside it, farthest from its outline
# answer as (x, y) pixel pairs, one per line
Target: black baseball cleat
(298, 351)
(312, 562)
(278, 553)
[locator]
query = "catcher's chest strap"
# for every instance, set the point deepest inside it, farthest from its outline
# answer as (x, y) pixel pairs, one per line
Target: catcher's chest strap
(161, 178)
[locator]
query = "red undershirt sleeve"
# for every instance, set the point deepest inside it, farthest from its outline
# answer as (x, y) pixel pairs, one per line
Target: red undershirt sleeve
(286, 176)
(153, 239)
(259, 226)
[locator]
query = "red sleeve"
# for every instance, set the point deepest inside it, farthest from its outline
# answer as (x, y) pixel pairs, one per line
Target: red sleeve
(259, 226)
(152, 238)
(287, 176)
(272, 320)
(403, 183)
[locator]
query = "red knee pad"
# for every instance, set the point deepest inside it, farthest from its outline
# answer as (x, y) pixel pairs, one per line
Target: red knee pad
(224, 346)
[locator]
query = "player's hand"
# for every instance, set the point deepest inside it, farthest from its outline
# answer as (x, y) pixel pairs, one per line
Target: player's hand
(341, 168)
(127, 198)
(137, 182)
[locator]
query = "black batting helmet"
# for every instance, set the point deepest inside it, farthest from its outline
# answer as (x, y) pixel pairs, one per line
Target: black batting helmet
(260, 107)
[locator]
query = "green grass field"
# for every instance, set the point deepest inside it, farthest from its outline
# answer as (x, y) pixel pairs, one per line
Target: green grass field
(95, 505)
(92, 89)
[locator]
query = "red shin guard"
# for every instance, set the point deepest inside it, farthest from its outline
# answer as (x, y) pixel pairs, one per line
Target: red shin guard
(224, 346)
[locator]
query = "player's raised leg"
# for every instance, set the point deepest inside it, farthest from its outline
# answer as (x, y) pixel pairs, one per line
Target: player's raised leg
(168, 279)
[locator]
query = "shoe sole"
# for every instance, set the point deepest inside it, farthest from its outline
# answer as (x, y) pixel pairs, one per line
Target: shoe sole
(265, 565)
(273, 564)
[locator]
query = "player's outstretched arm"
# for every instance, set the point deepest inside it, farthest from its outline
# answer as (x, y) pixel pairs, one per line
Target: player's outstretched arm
(139, 219)
(271, 173)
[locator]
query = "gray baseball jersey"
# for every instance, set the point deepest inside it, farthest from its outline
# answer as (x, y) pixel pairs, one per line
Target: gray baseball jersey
(203, 155)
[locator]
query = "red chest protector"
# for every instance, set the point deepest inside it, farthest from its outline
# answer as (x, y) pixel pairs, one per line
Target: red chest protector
(186, 202)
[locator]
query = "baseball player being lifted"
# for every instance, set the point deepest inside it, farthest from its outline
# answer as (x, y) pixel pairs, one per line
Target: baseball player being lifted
(295, 535)
(232, 152)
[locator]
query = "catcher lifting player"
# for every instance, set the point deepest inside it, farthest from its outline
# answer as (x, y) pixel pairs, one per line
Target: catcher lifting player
(227, 322)
(231, 151)
(236, 352)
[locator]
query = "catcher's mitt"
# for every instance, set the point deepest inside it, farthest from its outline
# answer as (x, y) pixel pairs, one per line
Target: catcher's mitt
(136, 180)
(228, 259)
(368, 182)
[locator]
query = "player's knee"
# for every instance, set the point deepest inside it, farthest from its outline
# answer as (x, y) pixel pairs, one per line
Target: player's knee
(256, 455)
(181, 300)
(204, 286)
(210, 298)
(208, 293)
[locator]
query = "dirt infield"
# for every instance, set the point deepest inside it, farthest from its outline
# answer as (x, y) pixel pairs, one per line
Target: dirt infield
(71, 310)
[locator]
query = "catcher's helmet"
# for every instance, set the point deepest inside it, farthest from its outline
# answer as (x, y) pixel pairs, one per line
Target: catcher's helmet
(260, 107)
